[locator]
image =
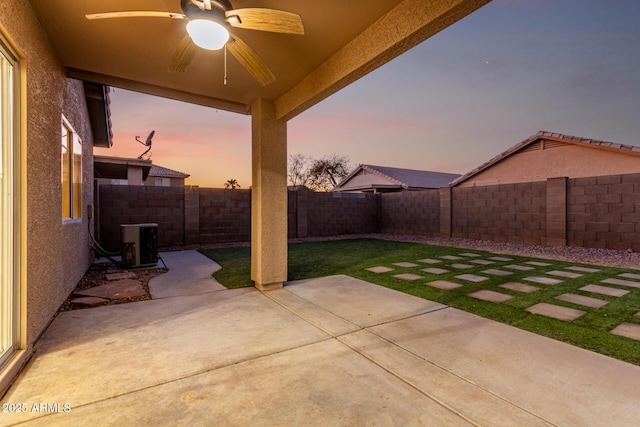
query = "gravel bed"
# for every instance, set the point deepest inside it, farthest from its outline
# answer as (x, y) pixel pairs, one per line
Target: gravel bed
(605, 257)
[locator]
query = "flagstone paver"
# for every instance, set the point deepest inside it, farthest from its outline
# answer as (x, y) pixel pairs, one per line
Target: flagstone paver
(630, 276)
(379, 269)
(604, 290)
(629, 330)
(435, 270)
(543, 280)
(621, 282)
(555, 311)
(501, 258)
(582, 300)
(481, 261)
(470, 254)
(407, 276)
(519, 287)
(461, 266)
(496, 272)
(430, 261)
(117, 289)
(443, 284)
(583, 269)
(472, 278)
(451, 257)
(89, 301)
(566, 274)
(490, 296)
(537, 263)
(405, 264)
(519, 267)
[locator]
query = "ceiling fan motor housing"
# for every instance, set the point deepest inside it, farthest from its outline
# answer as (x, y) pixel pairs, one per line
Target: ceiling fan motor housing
(218, 8)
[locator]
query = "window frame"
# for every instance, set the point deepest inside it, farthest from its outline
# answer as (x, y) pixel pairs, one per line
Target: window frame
(71, 206)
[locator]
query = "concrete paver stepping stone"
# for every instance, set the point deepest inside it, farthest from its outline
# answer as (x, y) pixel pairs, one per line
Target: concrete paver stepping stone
(443, 284)
(555, 311)
(405, 264)
(500, 258)
(537, 263)
(621, 282)
(481, 261)
(629, 330)
(470, 254)
(543, 280)
(604, 290)
(434, 270)
(451, 257)
(583, 269)
(472, 278)
(491, 296)
(519, 287)
(430, 261)
(379, 269)
(630, 276)
(407, 276)
(116, 290)
(566, 274)
(582, 300)
(519, 267)
(496, 272)
(461, 266)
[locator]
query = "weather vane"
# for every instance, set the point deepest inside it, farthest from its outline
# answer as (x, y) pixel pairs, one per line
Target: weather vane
(146, 143)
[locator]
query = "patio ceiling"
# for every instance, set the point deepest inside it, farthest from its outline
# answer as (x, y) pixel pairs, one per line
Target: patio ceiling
(343, 41)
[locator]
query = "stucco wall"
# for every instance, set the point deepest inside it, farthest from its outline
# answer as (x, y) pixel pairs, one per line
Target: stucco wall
(567, 160)
(57, 255)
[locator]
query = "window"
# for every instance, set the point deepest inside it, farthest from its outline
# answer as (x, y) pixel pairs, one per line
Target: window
(117, 181)
(163, 182)
(71, 166)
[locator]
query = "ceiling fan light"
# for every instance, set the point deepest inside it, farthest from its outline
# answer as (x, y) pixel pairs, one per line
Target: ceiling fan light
(207, 34)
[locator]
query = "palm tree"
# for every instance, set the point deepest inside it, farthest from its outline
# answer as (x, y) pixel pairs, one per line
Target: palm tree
(231, 183)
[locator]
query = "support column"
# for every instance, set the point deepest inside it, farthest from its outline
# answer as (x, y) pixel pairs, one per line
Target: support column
(268, 197)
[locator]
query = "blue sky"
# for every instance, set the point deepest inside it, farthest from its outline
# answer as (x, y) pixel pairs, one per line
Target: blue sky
(493, 79)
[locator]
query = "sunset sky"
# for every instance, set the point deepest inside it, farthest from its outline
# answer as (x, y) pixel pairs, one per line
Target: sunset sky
(493, 79)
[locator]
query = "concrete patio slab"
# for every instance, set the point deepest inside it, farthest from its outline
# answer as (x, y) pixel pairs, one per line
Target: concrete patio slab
(629, 330)
(519, 287)
(379, 269)
(556, 311)
(490, 296)
(582, 300)
(461, 266)
(407, 276)
(497, 272)
(605, 290)
(405, 264)
(567, 274)
(189, 274)
(444, 284)
(435, 270)
(481, 261)
(472, 278)
(583, 269)
(621, 282)
(543, 280)
(117, 289)
(430, 261)
(519, 267)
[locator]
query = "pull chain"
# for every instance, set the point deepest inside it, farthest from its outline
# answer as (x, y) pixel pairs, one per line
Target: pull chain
(225, 64)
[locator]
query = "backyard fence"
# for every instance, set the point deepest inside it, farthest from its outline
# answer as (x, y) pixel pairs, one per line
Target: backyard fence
(596, 212)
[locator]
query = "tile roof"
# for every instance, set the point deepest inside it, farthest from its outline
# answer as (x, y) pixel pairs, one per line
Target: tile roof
(166, 172)
(406, 178)
(551, 136)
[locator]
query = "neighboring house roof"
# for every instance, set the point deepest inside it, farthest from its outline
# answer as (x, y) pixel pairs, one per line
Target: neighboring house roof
(166, 172)
(550, 137)
(408, 179)
(118, 167)
(98, 104)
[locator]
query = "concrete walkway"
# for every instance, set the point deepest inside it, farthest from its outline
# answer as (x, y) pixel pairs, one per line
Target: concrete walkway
(323, 352)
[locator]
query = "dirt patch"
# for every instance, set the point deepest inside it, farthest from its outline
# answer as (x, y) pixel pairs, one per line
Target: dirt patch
(97, 276)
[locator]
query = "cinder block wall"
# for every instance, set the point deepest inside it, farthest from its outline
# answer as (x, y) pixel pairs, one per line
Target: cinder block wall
(415, 212)
(514, 213)
(225, 215)
(330, 214)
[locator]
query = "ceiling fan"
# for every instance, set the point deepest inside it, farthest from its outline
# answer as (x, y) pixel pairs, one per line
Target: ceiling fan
(207, 28)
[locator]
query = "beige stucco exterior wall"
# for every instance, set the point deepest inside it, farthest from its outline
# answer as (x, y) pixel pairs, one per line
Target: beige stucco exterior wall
(57, 255)
(569, 160)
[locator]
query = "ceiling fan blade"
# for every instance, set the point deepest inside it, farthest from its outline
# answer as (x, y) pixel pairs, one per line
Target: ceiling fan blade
(136, 14)
(183, 55)
(251, 61)
(275, 21)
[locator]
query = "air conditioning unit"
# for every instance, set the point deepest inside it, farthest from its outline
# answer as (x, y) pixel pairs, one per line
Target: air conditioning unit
(142, 244)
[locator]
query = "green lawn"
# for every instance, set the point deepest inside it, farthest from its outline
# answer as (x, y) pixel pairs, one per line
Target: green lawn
(353, 257)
